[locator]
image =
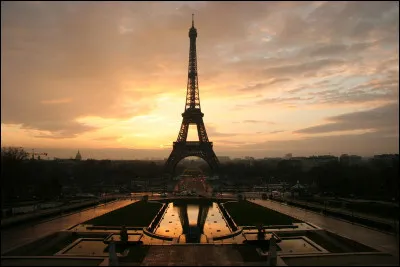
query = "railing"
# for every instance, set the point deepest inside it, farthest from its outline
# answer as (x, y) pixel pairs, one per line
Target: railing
(162, 237)
(250, 227)
(157, 218)
(233, 234)
(228, 217)
(99, 227)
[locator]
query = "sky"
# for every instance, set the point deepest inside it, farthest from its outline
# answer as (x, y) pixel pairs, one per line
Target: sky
(305, 78)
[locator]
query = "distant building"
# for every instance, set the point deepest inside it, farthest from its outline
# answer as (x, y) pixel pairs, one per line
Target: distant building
(223, 159)
(350, 159)
(288, 156)
(318, 160)
(305, 163)
(272, 162)
(388, 159)
(78, 156)
(70, 161)
(250, 160)
(294, 163)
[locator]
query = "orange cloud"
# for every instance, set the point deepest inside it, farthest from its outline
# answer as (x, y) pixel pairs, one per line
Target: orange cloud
(114, 74)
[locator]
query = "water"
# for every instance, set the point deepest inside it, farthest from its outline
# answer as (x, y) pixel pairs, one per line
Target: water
(193, 214)
(193, 223)
(297, 245)
(88, 247)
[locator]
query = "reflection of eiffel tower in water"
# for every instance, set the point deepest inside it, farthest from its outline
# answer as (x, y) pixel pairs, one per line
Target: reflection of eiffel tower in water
(192, 231)
(192, 115)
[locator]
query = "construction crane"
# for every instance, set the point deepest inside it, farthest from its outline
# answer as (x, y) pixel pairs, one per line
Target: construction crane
(33, 153)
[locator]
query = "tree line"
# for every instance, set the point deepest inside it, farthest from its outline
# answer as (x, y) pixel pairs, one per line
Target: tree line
(24, 179)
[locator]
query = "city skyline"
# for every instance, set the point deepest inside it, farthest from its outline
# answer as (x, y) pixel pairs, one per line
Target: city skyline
(131, 154)
(305, 78)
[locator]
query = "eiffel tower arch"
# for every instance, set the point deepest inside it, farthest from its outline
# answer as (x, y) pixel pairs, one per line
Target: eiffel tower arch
(192, 115)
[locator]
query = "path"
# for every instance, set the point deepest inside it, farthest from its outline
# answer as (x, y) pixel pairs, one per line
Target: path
(38, 214)
(378, 240)
(15, 237)
(192, 255)
(347, 211)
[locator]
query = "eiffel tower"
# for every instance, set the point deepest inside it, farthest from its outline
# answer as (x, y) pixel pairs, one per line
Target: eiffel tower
(192, 115)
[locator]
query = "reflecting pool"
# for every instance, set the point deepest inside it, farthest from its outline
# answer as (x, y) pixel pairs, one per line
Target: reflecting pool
(192, 223)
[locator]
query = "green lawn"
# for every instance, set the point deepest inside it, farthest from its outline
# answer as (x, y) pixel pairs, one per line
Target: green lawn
(137, 214)
(248, 213)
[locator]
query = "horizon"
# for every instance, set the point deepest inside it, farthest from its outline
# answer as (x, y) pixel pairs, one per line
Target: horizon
(161, 154)
(274, 77)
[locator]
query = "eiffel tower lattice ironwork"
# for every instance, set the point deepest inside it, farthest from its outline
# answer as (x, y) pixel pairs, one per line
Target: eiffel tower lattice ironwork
(192, 115)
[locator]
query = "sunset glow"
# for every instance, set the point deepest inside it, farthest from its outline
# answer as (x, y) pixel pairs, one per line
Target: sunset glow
(274, 77)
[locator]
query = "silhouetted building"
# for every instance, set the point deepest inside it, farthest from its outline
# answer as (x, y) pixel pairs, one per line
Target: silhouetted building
(293, 163)
(288, 156)
(350, 159)
(272, 162)
(224, 159)
(387, 159)
(324, 159)
(305, 163)
(78, 156)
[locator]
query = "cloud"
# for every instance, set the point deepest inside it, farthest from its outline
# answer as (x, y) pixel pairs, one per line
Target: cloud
(339, 49)
(259, 86)
(357, 20)
(383, 88)
(212, 132)
(252, 121)
(328, 50)
(254, 87)
(274, 132)
(106, 138)
(51, 51)
(258, 121)
(62, 61)
(303, 68)
(367, 144)
(72, 131)
(282, 100)
(56, 101)
(377, 119)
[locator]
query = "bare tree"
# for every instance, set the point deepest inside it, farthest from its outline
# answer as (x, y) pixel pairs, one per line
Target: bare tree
(13, 154)
(11, 157)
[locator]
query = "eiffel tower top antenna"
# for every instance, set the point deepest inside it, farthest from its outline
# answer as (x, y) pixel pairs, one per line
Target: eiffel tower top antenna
(192, 93)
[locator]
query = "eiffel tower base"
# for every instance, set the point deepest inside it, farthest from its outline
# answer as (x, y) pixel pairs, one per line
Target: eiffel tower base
(182, 150)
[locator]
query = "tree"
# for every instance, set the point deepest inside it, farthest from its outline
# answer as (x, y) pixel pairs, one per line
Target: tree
(15, 154)
(11, 171)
